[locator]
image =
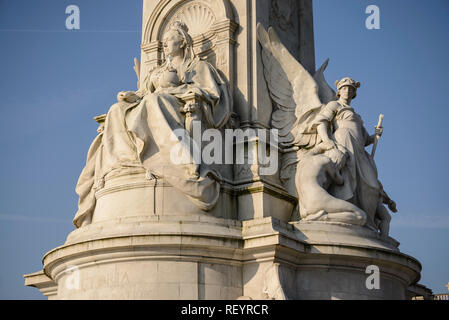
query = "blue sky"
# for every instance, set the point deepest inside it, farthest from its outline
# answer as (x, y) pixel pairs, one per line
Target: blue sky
(54, 81)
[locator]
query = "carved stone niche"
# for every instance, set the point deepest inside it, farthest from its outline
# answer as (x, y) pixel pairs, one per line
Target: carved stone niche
(211, 25)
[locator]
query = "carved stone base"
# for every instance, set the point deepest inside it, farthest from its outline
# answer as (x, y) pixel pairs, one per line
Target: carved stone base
(156, 257)
(135, 193)
(200, 257)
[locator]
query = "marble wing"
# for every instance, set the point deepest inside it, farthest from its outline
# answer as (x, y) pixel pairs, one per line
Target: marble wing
(325, 92)
(137, 70)
(297, 95)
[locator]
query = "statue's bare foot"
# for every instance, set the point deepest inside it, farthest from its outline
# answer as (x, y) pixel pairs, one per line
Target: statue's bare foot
(319, 216)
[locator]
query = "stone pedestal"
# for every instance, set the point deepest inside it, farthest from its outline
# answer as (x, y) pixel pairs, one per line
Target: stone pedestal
(323, 261)
(200, 257)
(153, 257)
(148, 241)
(132, 192)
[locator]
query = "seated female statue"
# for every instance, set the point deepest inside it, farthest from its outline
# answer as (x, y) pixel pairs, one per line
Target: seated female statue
(142, 129)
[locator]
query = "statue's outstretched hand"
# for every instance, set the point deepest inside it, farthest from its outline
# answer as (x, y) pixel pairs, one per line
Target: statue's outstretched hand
(127, 96)
(378, 131)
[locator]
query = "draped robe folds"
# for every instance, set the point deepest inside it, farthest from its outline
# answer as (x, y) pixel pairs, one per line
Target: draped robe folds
(361, 186)
(142, 134)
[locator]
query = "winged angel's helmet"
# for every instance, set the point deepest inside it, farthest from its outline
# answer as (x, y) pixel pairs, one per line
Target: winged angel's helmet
(347, 82)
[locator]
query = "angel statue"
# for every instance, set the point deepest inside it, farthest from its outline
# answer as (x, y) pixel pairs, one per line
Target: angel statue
(323, 139)
(141, 129)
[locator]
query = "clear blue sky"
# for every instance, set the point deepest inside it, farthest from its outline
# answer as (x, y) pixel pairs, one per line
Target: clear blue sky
(54, 81)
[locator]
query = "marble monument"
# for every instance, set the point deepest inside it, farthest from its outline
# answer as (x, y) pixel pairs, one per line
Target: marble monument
(290, 207)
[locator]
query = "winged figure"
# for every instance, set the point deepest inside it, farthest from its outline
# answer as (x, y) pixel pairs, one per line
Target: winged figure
(323, 141)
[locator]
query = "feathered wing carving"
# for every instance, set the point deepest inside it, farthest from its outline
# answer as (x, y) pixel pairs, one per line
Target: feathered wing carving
(137, 70)
(305, 134)
(297, 95)
(325, 92)
(279, 87)
(291, 87)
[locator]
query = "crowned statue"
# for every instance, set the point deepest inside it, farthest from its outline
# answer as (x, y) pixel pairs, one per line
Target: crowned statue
(143, 127)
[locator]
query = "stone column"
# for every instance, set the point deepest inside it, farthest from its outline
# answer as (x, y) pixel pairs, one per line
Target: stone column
(293, 22)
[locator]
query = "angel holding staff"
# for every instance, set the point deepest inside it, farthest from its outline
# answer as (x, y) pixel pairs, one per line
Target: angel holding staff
(314, 121)
(338, 123)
